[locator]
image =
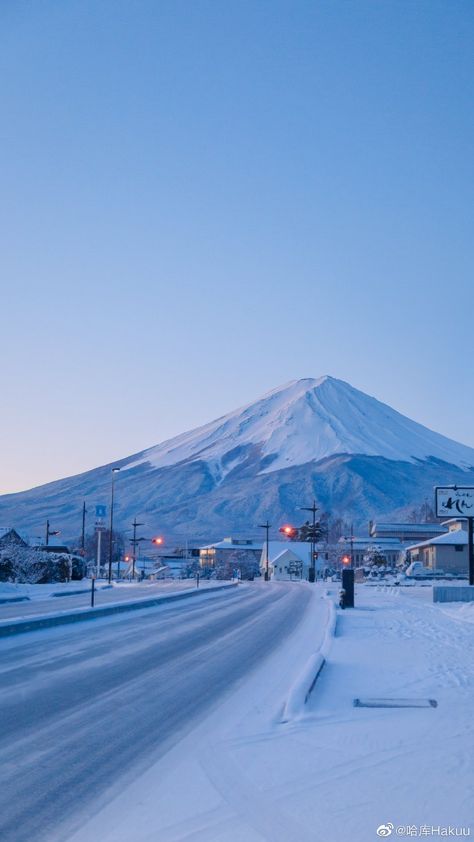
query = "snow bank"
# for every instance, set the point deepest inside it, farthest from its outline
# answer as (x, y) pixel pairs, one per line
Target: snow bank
(306, 680)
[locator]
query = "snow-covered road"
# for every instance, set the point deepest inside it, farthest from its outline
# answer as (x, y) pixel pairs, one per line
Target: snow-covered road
(336, 772)
(84, 710)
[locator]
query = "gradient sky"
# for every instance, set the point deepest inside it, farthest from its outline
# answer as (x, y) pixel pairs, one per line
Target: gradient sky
(202, 200)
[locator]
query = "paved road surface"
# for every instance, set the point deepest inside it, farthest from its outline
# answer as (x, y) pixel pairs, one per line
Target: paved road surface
(96, 704)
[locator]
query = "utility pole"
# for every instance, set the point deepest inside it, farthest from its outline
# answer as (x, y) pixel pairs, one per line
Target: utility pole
(312, 569)
(352, 546)
(83, 533)
(135, 542)
(50, 532)
(266, 526)
(114, 471)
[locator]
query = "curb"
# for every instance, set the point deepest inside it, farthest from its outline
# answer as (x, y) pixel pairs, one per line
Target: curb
(46, 621)
(303, 686)
(8, 599)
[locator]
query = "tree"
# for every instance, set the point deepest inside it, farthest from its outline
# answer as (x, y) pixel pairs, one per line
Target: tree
(422, 514)
(119, 544)
(237, 560)
(374, 557)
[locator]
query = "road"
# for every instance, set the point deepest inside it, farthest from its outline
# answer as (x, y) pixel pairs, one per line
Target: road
(89, 706)
(103, 596)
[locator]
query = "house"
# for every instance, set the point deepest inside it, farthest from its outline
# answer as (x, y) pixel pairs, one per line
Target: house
(288, 565)
(229, 551)
(286, 559)
(447, 553)
(9, 537)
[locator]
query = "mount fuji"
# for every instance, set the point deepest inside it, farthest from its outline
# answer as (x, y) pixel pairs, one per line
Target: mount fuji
(318, 438)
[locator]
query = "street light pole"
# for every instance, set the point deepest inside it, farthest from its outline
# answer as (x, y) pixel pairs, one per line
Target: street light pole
(114, 471)
(312, 568)
(266, 526)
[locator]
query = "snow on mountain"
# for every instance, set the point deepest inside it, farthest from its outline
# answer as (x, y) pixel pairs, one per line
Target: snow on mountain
(306, 421)
(319, 439)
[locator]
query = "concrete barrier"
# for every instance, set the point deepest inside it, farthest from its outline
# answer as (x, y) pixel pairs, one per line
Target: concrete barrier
(453, 593)
(46, 621)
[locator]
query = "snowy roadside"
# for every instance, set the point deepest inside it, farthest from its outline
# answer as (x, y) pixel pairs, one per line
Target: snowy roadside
(12, 590)
(45, 614)
(338, 772)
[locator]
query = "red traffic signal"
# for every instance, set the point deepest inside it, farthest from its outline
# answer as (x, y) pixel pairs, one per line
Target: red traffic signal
(289, 531)
(157, 540)
(345, 559)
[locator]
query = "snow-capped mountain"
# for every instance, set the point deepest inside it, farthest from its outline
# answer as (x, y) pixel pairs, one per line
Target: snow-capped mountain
(310, 438)
(306, 421)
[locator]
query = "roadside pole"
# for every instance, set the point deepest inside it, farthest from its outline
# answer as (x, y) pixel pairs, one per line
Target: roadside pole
(92, 592)
(99, 540)
(470, 538)
(266, 526)
(312, 567)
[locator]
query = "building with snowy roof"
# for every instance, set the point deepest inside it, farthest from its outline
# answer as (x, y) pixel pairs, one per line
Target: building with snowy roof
(288, 565)
(9, 536)
(406, 532)
(446, 553)
(222, 552)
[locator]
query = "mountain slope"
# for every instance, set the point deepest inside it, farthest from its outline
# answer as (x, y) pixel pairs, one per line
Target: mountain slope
(308, 420)
(321, 438)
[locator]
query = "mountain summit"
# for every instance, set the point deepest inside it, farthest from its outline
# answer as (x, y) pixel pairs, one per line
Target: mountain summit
(306, 421)
(310, 438)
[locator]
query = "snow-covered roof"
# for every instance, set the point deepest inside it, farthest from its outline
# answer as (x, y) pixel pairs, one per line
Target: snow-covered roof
(301, 549)
(459, 536)
(435, 528)
(286, 554)
(359, 543)
(227, 544)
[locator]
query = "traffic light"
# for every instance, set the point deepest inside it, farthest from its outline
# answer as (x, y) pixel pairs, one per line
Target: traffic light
(157, 540)
(289, 531)
(345, 559)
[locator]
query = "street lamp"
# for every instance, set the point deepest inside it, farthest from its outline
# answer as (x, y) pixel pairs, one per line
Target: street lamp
(114, 471)
(266, 526)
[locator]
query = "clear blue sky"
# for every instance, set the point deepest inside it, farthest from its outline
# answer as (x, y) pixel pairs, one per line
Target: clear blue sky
(201, 200)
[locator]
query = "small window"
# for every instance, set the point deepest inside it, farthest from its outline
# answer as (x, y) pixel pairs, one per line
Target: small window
(459, 548)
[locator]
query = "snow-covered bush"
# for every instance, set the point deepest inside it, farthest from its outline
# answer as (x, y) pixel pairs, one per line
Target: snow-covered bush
(27, 565)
